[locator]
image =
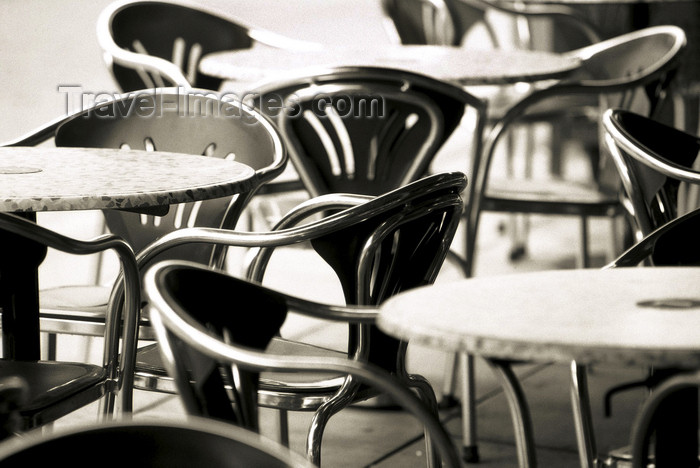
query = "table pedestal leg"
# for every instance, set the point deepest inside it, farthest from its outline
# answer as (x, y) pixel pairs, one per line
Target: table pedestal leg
(519, 412)
(19, 295)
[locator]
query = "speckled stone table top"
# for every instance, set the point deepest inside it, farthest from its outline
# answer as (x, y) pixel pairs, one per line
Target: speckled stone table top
(466, 66)
(628, 316)
(53, 179)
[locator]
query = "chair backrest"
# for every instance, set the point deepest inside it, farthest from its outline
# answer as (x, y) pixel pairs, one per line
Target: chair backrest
(565, 28)
(378, 248)
(448, 22)
(157, 44)
(193, 123)
(629, 70)
(646, 59)
(401, 243)
(365, 130)
(195, 442)
(652, 159)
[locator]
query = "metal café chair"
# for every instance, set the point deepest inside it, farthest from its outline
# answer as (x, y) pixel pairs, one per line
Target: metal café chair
(377, 247)
(56, 388)
(195, 122)
(155, 44)
(200, 344)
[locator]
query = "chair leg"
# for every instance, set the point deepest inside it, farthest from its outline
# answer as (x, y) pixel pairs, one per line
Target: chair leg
(320, 418)
(519, 411)
(427, 395)
(470, 450)
(580, 402)
(448, 398)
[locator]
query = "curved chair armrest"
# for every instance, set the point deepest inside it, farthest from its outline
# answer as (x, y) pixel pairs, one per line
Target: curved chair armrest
(331, 201)
(129, 279)
(642, 425)
(260, 257)
(164, 321)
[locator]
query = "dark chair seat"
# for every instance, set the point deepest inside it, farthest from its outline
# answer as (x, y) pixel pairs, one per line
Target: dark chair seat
(551, 196)
(49, 382)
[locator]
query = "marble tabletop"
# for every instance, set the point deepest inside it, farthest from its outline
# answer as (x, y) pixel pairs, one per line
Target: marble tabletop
(465, 66)
(629, 316)
(53, 179)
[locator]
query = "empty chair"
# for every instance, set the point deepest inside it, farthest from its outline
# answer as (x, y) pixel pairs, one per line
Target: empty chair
(635, 65)
(56, 388)
(632, 69)
(154, 44)
(196, 123)
(377, 247)
(195, 442)
(200, 344)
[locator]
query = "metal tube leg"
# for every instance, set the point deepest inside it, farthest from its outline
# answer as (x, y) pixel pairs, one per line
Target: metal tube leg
(320, 419)
(580, 403)
(470, 450)
(448, 384)
(427, 396)
(520, 414)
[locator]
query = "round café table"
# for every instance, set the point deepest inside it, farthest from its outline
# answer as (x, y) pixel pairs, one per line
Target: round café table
(41, 178)
(624, 316)
(460, 65)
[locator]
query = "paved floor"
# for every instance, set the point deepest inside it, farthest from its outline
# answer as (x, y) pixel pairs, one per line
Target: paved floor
(60, 49)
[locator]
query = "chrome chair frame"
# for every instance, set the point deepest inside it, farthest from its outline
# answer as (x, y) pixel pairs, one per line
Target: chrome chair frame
(342, 390)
